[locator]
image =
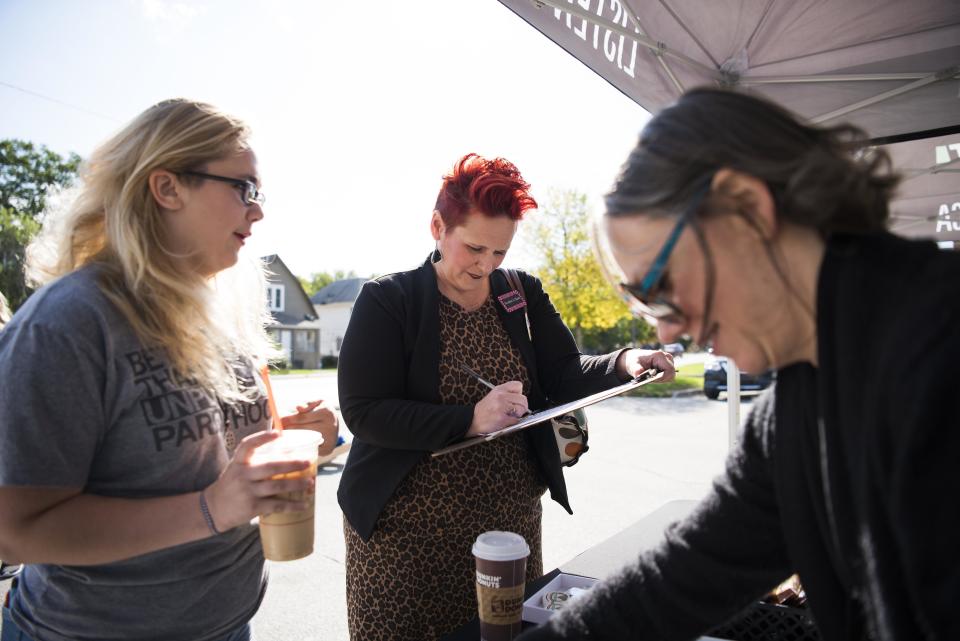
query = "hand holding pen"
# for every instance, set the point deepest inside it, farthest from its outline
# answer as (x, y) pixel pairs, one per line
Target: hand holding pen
(503, 406)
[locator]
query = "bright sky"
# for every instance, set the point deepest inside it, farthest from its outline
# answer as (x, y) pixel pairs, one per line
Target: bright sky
(358, 107)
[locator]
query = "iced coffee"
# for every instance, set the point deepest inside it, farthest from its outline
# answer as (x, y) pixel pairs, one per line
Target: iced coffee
(287, 536)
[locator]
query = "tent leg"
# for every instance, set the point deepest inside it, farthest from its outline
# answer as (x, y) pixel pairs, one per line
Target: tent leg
(733, 402)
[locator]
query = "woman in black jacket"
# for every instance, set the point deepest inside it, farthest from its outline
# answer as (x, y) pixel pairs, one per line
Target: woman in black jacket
(410, 519)
(733, 222)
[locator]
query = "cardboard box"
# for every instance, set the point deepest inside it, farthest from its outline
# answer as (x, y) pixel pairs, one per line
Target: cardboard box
(533, 610)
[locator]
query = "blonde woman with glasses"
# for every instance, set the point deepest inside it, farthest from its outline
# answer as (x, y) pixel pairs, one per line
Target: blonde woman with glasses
(131, 401)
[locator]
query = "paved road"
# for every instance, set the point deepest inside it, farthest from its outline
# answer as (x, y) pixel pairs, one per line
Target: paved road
(643, 453)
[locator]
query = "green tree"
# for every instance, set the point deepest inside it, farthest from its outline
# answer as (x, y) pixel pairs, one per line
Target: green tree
(318, 280)
(559, 234)
(27, 173)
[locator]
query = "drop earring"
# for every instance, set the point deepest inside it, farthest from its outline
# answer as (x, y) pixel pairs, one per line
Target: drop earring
(436, 257)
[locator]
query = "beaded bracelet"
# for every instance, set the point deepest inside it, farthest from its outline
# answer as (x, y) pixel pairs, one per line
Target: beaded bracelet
(206, 515)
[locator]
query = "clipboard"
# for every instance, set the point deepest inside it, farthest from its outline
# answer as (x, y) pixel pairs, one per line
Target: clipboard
(648, 376)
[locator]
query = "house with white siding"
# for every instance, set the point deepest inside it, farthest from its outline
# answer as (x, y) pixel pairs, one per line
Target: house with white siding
(333, 305)
(295, 327)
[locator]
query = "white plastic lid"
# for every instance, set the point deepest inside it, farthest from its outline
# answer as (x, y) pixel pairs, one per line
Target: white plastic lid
(290, 444)
(501, 546)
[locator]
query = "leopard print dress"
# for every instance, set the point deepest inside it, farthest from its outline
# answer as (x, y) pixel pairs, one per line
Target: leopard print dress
(414, 579)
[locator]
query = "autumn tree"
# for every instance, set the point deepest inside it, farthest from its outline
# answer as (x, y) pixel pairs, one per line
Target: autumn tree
(27, 173)
(559, 236)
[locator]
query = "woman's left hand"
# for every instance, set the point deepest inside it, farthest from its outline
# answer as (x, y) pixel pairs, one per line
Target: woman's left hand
(319, 417)
(633, 362)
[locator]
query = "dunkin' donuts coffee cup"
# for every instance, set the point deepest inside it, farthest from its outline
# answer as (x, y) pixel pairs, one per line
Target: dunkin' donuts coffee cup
(501, 575)
(287, 536)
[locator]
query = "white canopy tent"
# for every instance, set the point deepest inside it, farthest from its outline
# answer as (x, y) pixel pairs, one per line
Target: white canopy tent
(928, 203)
(890, 66)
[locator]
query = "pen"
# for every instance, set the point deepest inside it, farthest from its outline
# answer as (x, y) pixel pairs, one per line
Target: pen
(472, 373)
(466, 368)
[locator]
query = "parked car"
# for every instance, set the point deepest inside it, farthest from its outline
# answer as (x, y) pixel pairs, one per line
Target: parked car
(715, 378)
(673, 348)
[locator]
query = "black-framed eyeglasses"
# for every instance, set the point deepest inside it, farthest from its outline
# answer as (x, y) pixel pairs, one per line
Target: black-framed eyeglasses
(248, 190)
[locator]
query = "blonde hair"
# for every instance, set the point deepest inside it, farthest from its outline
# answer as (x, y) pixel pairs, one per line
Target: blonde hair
(205, 326)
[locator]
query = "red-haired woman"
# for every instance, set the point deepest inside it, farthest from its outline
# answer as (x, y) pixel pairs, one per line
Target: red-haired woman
(410, 519)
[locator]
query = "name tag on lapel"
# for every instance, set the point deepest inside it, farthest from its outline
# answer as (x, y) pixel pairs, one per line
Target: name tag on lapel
(512, 300)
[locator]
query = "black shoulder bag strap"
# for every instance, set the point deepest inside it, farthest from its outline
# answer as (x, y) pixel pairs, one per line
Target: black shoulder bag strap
(570, 429)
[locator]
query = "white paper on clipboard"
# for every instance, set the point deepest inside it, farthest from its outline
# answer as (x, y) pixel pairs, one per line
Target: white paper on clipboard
(544, 415)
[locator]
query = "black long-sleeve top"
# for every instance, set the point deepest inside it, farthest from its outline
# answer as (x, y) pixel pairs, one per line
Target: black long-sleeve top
(845, 473)
(389, 379)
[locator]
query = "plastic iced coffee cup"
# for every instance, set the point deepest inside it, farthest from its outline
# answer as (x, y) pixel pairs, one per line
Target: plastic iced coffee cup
(501, 574)
(287, 536)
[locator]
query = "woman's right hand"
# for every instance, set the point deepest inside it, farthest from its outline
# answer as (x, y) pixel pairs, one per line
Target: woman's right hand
(503, 406)
(245, 489)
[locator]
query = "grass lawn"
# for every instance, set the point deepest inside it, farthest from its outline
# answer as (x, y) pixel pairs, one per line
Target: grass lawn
(688, 377)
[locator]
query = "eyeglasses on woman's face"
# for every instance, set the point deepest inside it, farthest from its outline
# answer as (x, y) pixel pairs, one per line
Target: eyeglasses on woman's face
(648, 298)
(649, 295)
(248, 190)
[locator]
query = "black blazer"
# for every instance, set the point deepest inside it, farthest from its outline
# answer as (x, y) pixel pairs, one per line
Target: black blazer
(388, 379)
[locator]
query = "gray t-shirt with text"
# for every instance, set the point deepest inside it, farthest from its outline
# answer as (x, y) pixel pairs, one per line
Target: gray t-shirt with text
(83, 404)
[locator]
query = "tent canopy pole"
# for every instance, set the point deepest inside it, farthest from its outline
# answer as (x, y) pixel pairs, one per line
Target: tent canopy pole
(946, 74)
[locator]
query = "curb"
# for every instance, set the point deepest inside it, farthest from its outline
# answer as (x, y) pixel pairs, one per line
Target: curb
(686, 392)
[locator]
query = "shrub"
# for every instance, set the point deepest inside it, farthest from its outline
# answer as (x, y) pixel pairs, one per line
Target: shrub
(328, 362)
